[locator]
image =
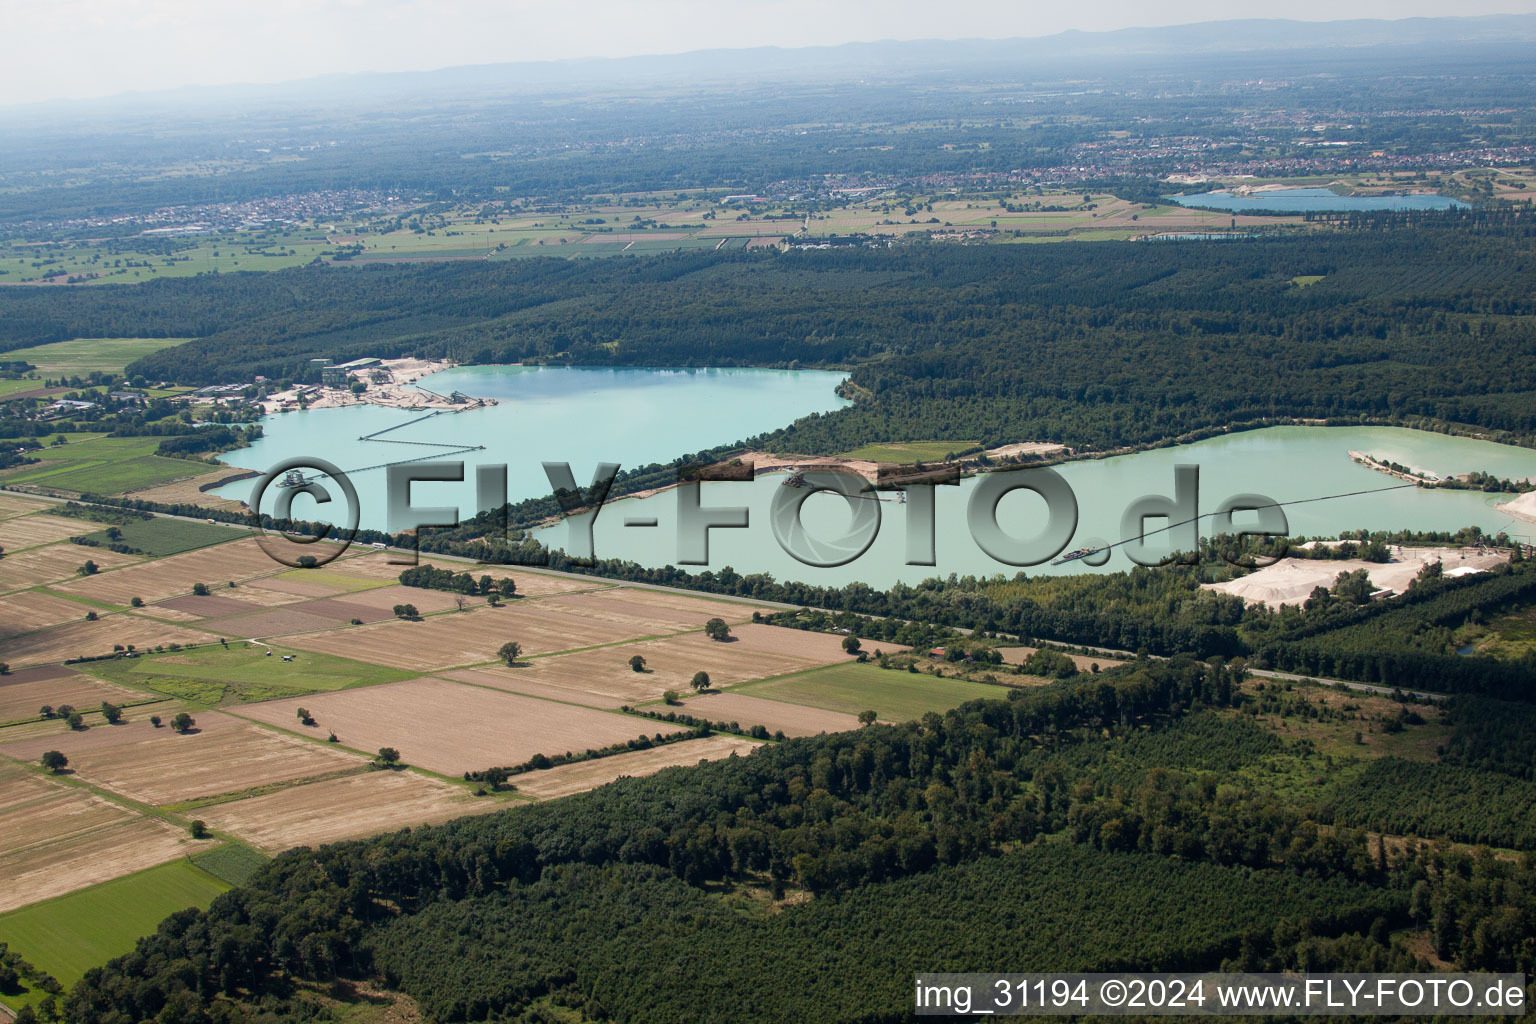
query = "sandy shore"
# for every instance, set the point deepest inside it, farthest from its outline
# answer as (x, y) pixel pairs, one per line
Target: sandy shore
(1291, 580)
(1523, 507)
(395, 393)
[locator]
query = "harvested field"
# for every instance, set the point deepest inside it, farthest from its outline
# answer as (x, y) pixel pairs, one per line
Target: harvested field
(13, 505)
(773, 715)
(158, 766)
(299, 588)
(174, 576)
(452, 727)
(30, 531)
(186, 491)
(655, 611)
(272, 622)
(377, 566)
(426, 601)
(54, 562)
(1084, 662)
(22, 693)
(34, 609)
(204, 607)
(468, 638)
(894, 696)
(603, 678)
(85, 639)
(345, 610)
(345, 808)
(56, 838)
(585, 775)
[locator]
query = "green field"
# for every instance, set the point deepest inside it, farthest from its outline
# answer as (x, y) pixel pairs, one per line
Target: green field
(9, 387)
(71, 934)
(105, 465)
(80, 356)
(233, 862)
(159, 537)
(909, 451)
(242, 673)
(895, 696)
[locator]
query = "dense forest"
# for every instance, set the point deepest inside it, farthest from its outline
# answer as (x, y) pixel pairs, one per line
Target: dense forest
(1094, 345)
(839, 865)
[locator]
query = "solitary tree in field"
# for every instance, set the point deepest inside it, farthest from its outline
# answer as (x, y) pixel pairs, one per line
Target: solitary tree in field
(199, 829)
(200, 589)
(669, 697)
(851, 644)
(91, 616)
(304, 716)
(867, 718)
(137, 602)
(111, 712)
(90, 568)
(460, 602)
(636, 663)
(154, 720)
(388, 757)
(182, 722)
(700, 681)
(75, 720)
(54, 761)
(716, 629)
(509, 652)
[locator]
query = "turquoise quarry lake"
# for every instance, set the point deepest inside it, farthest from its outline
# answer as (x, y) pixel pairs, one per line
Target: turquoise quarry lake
(640, 416)
(580, 415)
(1314, 200)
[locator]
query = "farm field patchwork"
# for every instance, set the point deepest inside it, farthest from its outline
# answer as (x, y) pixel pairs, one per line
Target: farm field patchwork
(345, 808)
(773, 715)
(23, 693)
(377, 566)
(83, 356)
(56, 838)
(39, 528)
(189, 491)
(893, 696)
(170, 577)
(452, 727)
(603, 677)
(214, 674)
(91, 639)
(52, 563)
(27, 610)
(456, 639)
(15, 505)
(584, 775)
(69, 935)
(160, 536)
(158, 766)
(104, 465)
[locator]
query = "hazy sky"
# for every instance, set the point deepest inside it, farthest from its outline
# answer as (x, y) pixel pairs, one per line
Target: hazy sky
(83, 48)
